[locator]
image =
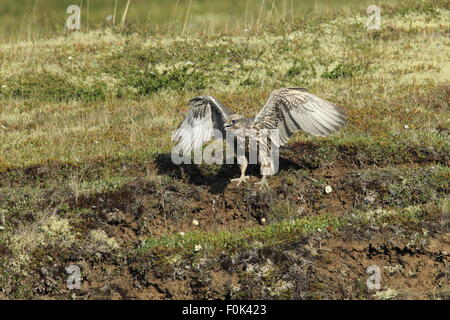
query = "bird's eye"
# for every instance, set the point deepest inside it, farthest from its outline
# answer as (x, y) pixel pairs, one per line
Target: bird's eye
(233, 121)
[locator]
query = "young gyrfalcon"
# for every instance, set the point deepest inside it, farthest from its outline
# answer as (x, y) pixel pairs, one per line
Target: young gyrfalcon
(288, 110)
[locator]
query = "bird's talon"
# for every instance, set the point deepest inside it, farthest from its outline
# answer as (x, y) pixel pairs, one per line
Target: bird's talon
(263, 184)
(240, 180)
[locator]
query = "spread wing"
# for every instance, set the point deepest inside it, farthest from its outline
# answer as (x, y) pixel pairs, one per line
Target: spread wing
(294, 109)
(205, 117)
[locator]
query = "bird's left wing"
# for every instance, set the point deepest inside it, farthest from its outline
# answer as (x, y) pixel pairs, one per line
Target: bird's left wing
(204, 122)
(292, 109)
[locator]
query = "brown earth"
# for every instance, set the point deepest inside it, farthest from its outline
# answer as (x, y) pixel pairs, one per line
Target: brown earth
(315, 268)
(331, 265)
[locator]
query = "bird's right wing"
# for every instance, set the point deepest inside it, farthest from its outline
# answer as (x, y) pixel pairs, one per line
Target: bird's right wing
(292, 109)
(204, 122)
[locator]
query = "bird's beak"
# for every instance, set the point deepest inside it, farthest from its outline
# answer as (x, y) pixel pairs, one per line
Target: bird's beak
(228, 124)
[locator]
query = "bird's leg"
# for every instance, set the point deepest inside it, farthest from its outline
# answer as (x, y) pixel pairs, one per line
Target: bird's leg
(267, 166)
(243, 177)
(263, 183)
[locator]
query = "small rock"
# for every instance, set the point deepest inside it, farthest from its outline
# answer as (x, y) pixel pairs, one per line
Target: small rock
(198, 247)
(195, 222)
(328, 189)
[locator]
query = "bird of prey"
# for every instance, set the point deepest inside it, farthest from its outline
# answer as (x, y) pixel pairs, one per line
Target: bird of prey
(287, 110)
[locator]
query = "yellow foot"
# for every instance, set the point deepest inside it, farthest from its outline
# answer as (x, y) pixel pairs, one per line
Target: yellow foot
(240, 180)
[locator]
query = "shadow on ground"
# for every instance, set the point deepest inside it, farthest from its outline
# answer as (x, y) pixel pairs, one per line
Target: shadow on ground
(215, 177)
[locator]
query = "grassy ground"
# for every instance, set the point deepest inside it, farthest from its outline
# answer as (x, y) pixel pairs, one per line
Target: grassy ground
(86, 177)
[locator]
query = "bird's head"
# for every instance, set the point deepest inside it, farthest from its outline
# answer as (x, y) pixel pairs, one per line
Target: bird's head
(234, 122)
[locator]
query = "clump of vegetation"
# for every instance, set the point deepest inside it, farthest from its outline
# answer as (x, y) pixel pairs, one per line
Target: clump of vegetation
(52, 87)
(345, 70)
(401, 186)
(100, 243)
(150, 81)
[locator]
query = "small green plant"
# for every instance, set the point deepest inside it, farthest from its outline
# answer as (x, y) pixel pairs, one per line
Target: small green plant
(282, 211)
(345, 70)
(302, 69)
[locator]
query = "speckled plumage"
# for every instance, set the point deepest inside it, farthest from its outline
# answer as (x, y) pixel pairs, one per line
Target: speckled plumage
(288, 109)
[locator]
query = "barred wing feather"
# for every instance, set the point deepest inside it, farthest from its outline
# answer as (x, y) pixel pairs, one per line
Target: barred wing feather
(294, 109)
(206, 116)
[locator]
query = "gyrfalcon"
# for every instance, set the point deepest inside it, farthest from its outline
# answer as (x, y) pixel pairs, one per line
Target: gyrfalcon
(287, 111)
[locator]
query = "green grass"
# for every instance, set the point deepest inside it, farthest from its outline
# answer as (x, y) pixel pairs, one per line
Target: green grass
(213, 243)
